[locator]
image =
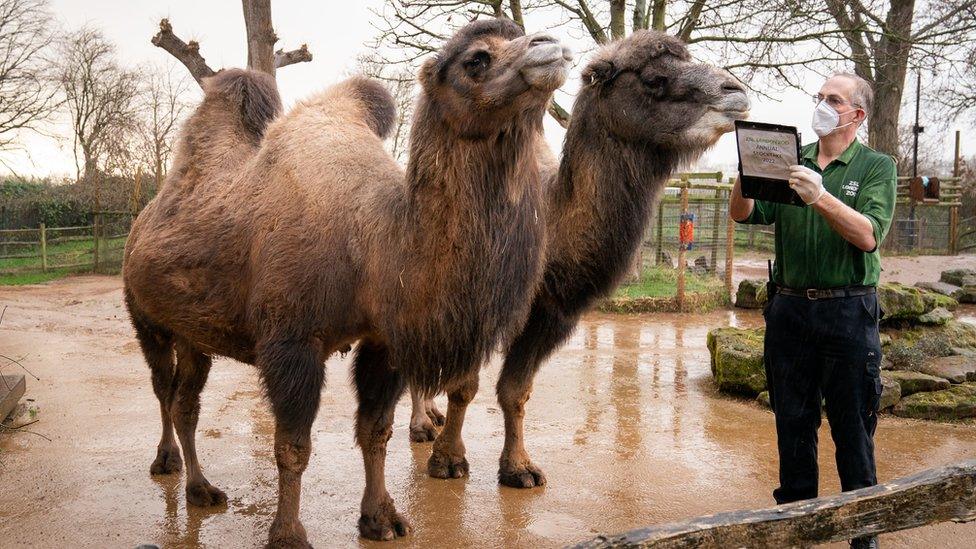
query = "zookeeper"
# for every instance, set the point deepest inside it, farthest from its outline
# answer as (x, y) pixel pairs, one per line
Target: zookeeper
(822, 316)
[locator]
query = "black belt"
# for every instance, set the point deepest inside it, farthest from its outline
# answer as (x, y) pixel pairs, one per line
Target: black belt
(828, 293)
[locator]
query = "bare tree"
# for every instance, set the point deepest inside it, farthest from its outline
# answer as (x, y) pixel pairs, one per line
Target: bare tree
(163, 102)
(99, 96)
(400, 81)
(28, 95)
(261, 39)
(768, 44)
(882, 38)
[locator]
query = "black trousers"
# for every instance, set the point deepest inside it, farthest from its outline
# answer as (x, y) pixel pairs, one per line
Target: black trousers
(823, 350)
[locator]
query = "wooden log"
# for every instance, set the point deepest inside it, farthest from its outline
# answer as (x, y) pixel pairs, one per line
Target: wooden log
(12, 387)
(934, 495)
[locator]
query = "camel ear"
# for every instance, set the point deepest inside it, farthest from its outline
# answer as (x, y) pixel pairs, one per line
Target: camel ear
(599, 72)
(428, 73)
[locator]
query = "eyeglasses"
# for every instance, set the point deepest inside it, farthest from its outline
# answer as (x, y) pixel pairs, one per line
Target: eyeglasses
(832, 100)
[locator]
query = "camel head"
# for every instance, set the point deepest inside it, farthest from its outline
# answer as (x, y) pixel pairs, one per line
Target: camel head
(647, 89)
(490, 73)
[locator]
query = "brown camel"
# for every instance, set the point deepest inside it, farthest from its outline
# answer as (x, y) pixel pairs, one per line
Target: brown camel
(280, 251)
(644, 110)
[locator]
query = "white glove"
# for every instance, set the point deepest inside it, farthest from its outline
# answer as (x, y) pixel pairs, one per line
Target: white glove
(807, 183)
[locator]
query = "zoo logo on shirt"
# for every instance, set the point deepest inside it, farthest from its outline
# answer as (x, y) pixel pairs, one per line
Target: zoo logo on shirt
(850, 188)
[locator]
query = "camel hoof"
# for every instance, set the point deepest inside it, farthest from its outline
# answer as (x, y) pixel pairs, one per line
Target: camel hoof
(436, 417)
(205, 495)
(291, 536)
(167, 461)
(446, 466)
(385, 525)
(424, 433)
(527, 476)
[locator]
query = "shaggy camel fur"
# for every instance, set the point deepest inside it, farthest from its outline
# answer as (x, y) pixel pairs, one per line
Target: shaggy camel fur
(644, 110)
(282, 255)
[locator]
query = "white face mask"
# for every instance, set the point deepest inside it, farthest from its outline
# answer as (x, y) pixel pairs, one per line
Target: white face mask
(825, 119)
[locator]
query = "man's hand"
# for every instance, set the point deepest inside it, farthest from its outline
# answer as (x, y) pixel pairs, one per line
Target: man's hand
(807, 183)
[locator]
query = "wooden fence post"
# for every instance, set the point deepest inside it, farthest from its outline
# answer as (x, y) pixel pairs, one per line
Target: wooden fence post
(43, 248)
(953, 229)
(660, 232)
(715, 221)
(95, 228)
(681, 249)
(729, 248)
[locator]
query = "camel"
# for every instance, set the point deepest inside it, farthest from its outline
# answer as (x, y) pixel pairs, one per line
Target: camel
(278, 242)
(644, 109)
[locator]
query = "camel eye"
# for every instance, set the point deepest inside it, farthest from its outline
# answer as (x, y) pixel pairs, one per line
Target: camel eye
(478, 63)
(655, 85)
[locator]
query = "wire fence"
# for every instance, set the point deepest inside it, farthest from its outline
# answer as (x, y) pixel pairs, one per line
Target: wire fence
(94, 247)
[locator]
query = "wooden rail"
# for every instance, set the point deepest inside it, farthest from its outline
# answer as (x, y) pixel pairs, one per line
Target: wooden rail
(935, 495)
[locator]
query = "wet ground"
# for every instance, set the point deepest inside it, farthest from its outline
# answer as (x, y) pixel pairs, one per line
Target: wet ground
(624, 421)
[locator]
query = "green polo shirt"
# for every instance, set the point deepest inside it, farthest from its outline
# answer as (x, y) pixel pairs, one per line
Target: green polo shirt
(809, 253)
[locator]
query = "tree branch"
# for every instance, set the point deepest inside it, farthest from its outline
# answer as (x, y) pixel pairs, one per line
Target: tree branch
(186, 53)
(558, 113)
(284, 58)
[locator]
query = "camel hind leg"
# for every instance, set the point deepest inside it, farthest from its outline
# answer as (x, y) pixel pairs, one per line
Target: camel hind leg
(425, 418)
(192, 369)
(157, 348)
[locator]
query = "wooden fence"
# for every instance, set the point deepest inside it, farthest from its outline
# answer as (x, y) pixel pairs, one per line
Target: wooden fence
(935, 495)
(95, 247)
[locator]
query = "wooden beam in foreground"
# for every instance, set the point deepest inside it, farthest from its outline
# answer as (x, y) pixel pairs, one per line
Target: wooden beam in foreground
(934, 495)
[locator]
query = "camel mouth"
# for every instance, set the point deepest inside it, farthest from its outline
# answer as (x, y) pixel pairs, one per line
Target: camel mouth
(736, 114)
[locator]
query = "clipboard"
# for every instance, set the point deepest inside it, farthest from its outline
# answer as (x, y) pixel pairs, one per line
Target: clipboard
(767, 150)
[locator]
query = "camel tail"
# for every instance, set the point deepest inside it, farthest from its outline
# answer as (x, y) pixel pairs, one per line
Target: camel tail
(253, 94)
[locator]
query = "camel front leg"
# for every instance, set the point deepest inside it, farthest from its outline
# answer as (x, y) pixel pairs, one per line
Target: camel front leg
(378, 388)
(293, 375)
(425, 418)
(447, 459)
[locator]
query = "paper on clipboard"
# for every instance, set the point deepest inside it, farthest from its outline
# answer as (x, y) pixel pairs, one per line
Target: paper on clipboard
(767, 154)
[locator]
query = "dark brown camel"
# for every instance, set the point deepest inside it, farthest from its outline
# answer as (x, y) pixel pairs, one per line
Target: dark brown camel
(644, 110)
(280, 251)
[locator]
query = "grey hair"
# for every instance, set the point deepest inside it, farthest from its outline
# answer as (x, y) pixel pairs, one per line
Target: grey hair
(863, 95)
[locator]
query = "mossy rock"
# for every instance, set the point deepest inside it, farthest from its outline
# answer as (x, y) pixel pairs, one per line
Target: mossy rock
(943, 288)
(737, 360)
(938, 315)
(957, 277)
(956, 402)
(934, 300)
(900, 302)
(916, 382)
(961, 335)
(763, 399)
(957, 369)
(890, 392)
(751, 294)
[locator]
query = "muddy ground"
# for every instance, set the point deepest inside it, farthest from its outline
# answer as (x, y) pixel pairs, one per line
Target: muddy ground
(624, 420)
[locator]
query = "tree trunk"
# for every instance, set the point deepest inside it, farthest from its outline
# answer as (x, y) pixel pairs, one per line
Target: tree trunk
(640, 15)
(660, 7)
(260, 36)
(891, 66)
(618, 23)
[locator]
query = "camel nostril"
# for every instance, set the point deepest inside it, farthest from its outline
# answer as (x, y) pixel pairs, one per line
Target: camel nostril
(541, 39)
(733, 86)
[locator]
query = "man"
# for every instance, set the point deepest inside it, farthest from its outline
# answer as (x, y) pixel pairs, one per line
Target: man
(822, 318)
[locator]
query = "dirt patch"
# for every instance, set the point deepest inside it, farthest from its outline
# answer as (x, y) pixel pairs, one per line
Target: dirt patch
(624, 420)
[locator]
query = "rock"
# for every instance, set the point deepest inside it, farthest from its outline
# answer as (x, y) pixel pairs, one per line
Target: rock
(701, 265)
(939, 315)
(956, 402)
(956, 369)
(737, 360)
(943, 288)
(887, 364)
(890, 392)
(748, 294)
(885, 339)
(916, 382)
(900, 301)
(935, 300)
(967, 294)
(961, 334)
(763, 399)
(956, 276)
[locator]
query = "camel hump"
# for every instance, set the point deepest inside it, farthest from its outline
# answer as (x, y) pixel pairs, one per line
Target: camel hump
(254, 93)
(378, 105)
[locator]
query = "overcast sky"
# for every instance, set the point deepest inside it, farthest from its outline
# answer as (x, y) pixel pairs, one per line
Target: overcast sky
(336, 31)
